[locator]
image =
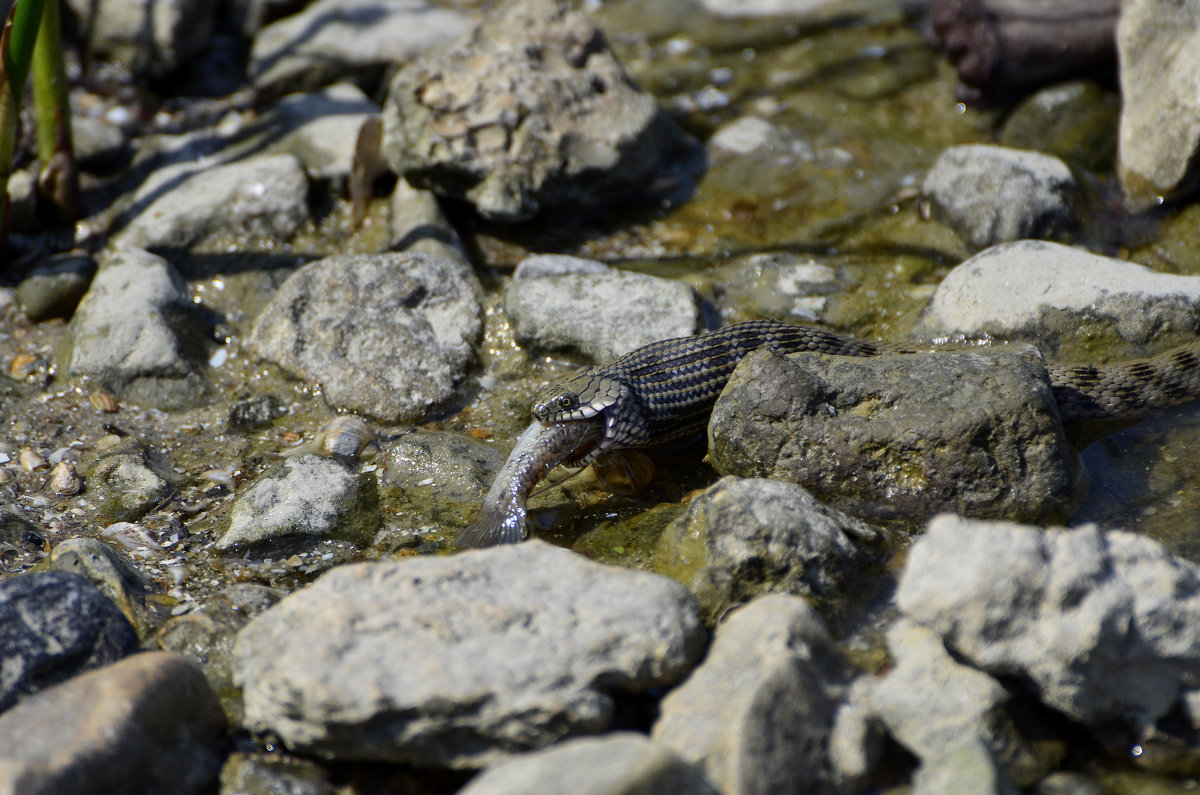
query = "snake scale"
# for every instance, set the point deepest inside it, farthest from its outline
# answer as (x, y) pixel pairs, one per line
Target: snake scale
(664, 392)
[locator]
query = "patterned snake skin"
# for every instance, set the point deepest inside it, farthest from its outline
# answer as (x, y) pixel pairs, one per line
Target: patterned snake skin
(664, 392)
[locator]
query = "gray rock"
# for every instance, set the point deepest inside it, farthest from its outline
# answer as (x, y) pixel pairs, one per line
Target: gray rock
(117, 577)
(527, 111)
(600, 315)
(1158, 46)
(418, 225)
(149, 38)
(388, 335)
(271, 774)
(540, 265)
(967, 766)
(756, 715)
(55, 288)
(127, 481)
(1065, 300)
(346, 39)
(900, 436)
(742, 538)
(319, 128)
(1081, 614)
(992, 194)
(621, 763)
(137, 334)
(206, 635)
(146, 724)
(99, 145)
(911, 701)
(54, 625)
(309, 496)
(460, 661)
(260, 201)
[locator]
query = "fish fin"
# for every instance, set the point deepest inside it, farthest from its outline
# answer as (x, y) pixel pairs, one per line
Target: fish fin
(492, 527)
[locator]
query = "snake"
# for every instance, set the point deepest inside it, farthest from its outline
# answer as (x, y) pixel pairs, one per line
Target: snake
(663, 394)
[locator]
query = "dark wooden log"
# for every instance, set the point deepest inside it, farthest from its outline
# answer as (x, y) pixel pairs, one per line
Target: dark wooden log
(1010, 47)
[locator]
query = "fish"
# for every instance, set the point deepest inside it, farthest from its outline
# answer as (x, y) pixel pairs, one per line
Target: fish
(501, 519)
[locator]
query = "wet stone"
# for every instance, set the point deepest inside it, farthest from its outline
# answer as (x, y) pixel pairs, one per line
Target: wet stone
(52, 626)
(779, 285)
(620, 763)
(1077, 613)
(742, 538)
(600, 315)
(387, 335)
(255, 412)
(528, 111)
(346, 39)
(56, 288)
(267, 774)
(504, 650)
(1075, 121)
(902, 436)
(148, 723)
(309, 497)
(992, 194)
(439, 476)
(138, 335)
(1067, 301)
(127, 481)
(757, 714)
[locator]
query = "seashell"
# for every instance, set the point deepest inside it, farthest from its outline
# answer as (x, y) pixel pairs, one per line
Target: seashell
(64, 480)
(344, 436)
(627, 472)
(5, 475)
(22, 366)
(102, 401)
(31, 460)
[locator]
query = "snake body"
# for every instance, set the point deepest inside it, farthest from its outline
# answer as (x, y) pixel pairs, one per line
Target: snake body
(664, 392)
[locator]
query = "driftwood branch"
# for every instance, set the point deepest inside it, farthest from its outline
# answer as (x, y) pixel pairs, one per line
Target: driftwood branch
(1004, 47)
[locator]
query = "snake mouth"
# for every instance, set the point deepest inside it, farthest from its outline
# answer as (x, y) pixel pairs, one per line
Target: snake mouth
(591, 444)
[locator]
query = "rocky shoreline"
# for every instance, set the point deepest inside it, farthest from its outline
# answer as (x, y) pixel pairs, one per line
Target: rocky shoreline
(329, 257)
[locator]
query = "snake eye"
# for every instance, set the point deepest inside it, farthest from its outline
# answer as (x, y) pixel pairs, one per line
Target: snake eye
(566, 401)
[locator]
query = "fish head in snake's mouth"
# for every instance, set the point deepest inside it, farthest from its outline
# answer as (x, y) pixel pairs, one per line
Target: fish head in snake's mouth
(604, 402)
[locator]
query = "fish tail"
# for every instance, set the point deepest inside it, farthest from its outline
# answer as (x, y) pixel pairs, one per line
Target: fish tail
(493, 526)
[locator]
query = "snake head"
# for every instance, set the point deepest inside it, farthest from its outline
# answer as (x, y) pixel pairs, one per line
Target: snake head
(581, 397)
(588, 396)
